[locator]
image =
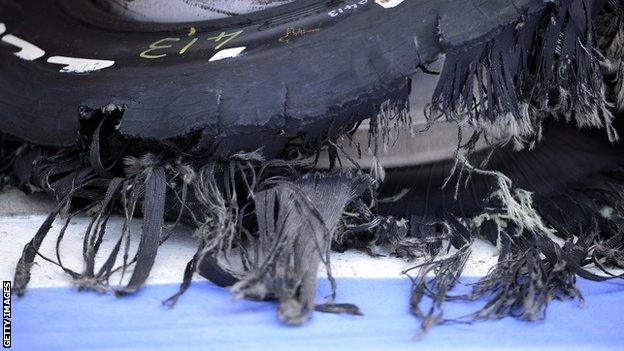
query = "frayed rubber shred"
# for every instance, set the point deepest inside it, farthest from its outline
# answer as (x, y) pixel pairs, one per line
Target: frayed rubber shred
(532, 70)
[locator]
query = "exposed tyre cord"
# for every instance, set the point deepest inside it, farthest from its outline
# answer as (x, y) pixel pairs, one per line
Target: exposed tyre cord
(567, 156)
(558, 169)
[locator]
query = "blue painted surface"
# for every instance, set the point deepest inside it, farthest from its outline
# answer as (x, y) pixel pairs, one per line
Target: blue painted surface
(206, 318)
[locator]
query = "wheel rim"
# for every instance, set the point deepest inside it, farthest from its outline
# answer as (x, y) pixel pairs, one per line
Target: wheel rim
(180, 11)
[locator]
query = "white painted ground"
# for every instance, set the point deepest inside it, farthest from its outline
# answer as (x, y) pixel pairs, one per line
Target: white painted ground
(20, 217)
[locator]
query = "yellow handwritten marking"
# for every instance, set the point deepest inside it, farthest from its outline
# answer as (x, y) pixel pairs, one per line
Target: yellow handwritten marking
(221, 40)
(157, 46)
(188, 46)
(292, 33)
(225, 37)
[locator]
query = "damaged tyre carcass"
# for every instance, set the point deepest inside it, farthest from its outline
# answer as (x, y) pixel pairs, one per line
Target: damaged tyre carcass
(281, 130)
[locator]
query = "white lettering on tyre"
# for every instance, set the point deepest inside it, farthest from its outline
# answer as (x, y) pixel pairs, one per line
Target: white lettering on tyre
(354, 5)
(347, 8)
(388, 4)
(28, 51)
(31, 52)
(227, 53)
(80, 65)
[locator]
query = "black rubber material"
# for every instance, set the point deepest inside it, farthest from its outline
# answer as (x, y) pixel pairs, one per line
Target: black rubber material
(354, 55)
(565, 158)
(567, 161)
